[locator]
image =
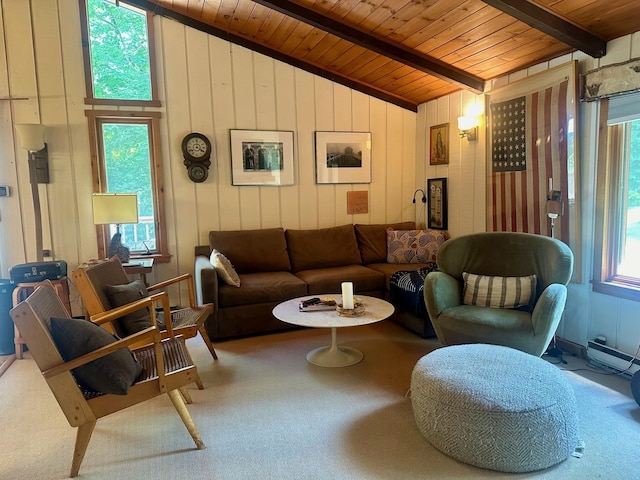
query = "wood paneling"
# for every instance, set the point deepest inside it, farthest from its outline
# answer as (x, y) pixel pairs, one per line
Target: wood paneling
(467, 36)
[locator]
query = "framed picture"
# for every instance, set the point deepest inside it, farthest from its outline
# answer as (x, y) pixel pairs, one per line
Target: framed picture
(532, 157)
(261, 157)
(437, 203)
(343, 157)
(439, 145)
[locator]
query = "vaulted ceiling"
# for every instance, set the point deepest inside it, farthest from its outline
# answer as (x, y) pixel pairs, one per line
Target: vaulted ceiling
(409, 51)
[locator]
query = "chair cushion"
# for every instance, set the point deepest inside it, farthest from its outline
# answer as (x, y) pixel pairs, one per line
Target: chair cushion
(498, 292)
(113, 373)
(413, 246)
(224, 268)
(120, 295)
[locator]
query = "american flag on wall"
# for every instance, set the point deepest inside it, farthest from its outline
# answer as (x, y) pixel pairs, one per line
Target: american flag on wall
(529, 154)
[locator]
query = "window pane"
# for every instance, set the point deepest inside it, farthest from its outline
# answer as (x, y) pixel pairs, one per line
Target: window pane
(630, 261)
(128, 170)
(119, 47)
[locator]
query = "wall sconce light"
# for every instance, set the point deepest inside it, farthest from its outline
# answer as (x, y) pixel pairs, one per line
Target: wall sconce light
(32, 139)
(424, 196)
(468, 127)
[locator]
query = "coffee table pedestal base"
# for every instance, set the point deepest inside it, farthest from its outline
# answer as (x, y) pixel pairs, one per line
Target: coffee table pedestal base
(334, 356)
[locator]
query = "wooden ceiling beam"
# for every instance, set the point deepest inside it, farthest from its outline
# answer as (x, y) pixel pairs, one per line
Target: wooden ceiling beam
(394, 51)
(156, 9)
(552, 25)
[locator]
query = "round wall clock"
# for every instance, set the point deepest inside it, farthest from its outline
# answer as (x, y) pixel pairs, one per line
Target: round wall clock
(196, 150)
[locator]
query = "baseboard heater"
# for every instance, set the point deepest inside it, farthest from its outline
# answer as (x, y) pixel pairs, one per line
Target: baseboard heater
(608, 356)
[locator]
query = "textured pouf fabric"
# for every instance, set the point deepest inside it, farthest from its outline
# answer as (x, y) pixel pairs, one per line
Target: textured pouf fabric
(494, 407)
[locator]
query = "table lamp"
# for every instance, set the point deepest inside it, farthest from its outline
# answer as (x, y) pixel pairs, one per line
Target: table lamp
(115, 208)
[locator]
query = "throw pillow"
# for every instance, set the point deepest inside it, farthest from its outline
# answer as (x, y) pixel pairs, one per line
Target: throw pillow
(124, 294)
(413, 246)
(498, 292)
(223, 267)
(113, 373)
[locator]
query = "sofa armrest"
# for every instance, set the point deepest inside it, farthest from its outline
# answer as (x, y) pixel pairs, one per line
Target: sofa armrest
(441, 291)
(206, 282)
(548, 309)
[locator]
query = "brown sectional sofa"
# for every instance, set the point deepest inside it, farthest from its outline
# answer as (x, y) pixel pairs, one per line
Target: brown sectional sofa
(276, 265)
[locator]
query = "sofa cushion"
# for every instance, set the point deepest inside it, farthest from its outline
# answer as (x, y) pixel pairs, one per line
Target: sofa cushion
(328, 280)
(413, 246)
(388, 269)
(224, 269)
(249, 251)
(498, 292)
(372, 240)
(261, 287)
(323, 248)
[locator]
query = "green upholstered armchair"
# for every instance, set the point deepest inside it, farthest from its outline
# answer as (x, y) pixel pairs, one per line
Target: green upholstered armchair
(530, 327)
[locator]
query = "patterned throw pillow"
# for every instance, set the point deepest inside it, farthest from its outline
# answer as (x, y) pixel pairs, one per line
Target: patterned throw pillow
(225, 270)
(413, 246)
(498, 292)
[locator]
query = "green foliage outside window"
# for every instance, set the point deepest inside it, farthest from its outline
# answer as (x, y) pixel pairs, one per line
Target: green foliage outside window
(119, 51)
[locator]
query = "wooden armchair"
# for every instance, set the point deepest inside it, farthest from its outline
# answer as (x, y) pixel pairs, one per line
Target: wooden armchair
(166, 368)
(94, 281)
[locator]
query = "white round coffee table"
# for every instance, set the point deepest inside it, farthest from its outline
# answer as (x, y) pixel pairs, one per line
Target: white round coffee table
(334, 355)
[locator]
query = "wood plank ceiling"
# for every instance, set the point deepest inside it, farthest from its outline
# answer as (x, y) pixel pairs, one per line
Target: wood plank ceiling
(409, 51)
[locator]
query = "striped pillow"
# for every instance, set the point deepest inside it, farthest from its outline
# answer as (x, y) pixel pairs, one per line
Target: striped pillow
(498, 292)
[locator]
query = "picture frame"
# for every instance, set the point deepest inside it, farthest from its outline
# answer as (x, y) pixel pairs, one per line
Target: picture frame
(437, 218)
(439, 144)
(261, 157)
(520, 188)
(343, 157)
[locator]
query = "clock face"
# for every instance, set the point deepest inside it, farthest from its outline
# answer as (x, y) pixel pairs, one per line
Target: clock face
(196, 147)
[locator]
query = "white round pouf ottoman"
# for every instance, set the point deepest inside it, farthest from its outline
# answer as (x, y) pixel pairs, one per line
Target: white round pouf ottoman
(494, 407)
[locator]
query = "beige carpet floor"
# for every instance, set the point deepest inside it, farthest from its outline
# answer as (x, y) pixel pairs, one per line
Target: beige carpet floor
(266, 413)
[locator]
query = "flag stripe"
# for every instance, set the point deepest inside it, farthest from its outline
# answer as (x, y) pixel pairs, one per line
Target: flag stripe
(519, 185)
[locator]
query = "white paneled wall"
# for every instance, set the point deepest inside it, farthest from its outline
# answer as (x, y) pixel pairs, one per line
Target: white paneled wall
(206, 85)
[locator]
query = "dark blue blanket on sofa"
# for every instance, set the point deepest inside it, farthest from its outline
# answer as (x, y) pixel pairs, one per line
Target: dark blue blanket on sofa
(406, 290)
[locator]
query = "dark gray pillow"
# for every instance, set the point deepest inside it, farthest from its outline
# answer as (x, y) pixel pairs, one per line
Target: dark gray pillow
(113, 373)
(120, 295)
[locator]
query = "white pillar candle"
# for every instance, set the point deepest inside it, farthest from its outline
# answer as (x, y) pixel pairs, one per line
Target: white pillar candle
(347, 295)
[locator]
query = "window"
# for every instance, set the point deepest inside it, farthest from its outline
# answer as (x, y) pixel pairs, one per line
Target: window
(617, 263)
(120, 73)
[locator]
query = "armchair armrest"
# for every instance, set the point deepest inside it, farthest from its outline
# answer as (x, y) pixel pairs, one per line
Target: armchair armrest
(548, 309)
(115, 313)
(186, 277)
(441, 291)
(206, 279)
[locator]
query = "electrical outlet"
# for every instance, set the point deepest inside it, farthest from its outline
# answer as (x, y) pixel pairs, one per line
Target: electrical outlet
(46, 253)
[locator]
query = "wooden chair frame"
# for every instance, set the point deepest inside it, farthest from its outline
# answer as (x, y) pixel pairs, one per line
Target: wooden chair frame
(32, 317)
(92, 290)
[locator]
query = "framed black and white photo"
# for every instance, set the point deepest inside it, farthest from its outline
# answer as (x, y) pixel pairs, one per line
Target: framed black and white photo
(261, 157)
(343, 157)
(437, 203)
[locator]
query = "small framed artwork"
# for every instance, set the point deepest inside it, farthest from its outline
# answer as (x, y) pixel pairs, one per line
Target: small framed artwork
(343, 157)
(261, 157)
(439, 145)
(437, 203)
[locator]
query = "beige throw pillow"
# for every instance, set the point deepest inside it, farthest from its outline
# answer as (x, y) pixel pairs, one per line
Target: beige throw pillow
(225, 270)
(498, 292)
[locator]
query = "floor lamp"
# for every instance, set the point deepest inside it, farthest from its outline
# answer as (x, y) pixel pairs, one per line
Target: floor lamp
(32, 139)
